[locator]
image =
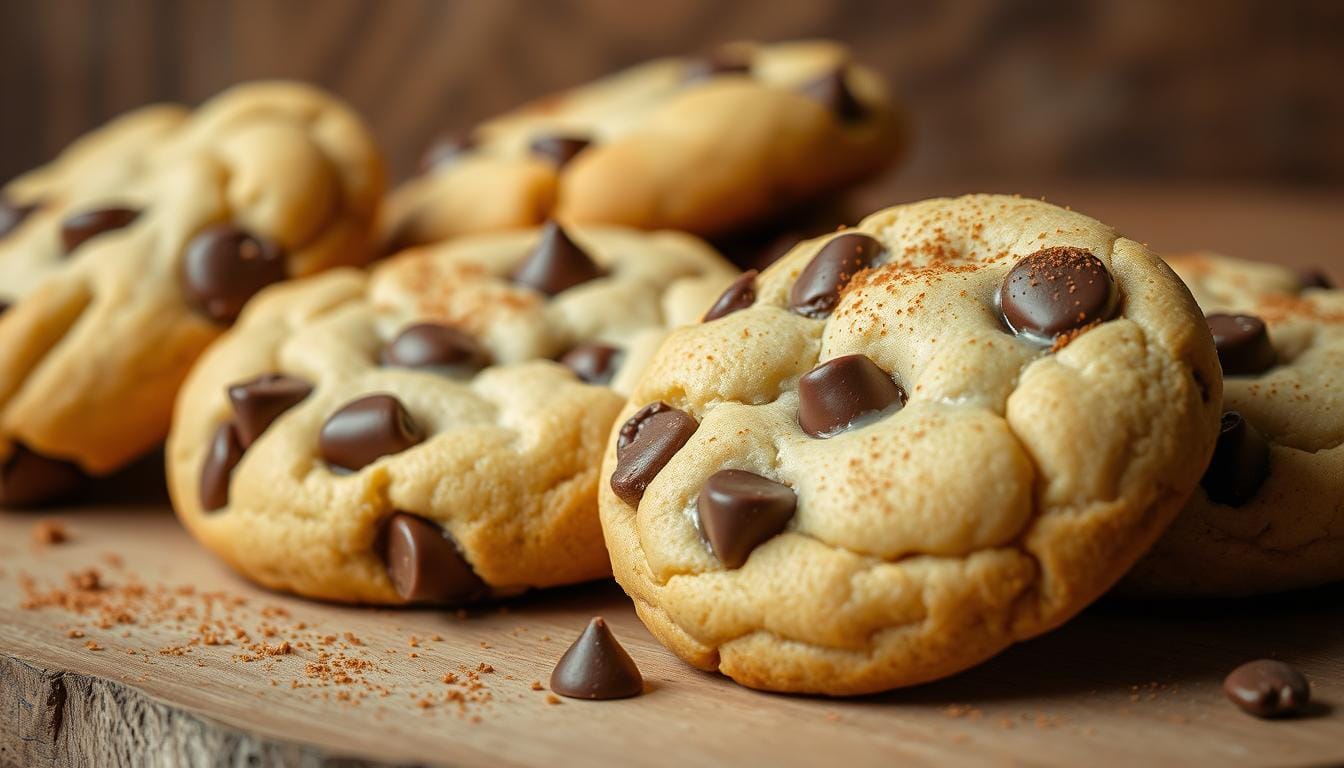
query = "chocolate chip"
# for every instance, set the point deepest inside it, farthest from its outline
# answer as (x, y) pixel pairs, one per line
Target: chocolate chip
(365, 430)
(720, 62)
(1243, 344)
(832, 91)
(439, 348)
(12, 214)
(593, 363)
(556, 264)
(258, 402)
(425, 564)
(644, 446)
(1240, 462)
(224, 266)
(817, 289)
(1306, 278)
(837, 393)
(739, 295)
(4, 306)
(1055, 290)
(740, 510)
(82, 226)
(30, 479)
(558, 149)
(597, 667)
(446, 149)
(1268, 688)
(221, 457)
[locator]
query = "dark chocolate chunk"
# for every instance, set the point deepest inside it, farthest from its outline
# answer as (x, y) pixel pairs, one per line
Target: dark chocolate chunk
(740, 510)
(832, 91)
(365, 430)
(556, 264)
(597, 667)
(435, 347)
(445, 149)
(558, 149)
(644, 446)
(82, 226)
(593, 363)
(223, 454)
(30, 479)
(259, 401)
(1268, 688)
(425, 564)
(224, 266)
(1307, 278)
(12, 214)
(832, 396)
(817, 289)
(1240, 462)
(1243, 344)
(739, 295)
(723, 61)
(1055, 290)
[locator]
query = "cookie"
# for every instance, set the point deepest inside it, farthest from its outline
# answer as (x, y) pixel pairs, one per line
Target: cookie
(1269, 513)
(708, 146)
(908, 445)
(430, 431)
(126, 256)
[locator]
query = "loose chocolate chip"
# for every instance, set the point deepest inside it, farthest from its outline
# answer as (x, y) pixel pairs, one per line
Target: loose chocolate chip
(644, 446)
(258, 402)
(740, 510)
(1307, 278)
(439, 348)
(556, 264)
(1240, 462)
(832, 91)
(739, 295)
(446, 149)
(225, 265)
(426, 566)
(1243, 344)
(1055, 290)
(29, 479)
(221, 457)
(835, 394)
(597, 667)
(817, 289)
(365, 430)
(82, 226)
(593, 363)
(1267, 688)
(12, 214)
(720, 62)
(558, 149)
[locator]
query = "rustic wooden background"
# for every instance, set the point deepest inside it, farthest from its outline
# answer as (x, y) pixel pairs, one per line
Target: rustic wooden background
(1209, 90)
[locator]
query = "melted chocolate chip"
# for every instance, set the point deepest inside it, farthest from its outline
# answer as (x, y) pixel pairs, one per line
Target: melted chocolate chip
(1268, 688)
(835, 394)
(258, 402)
(30, 479)
(446, 149)
(1056, 290)
(739, 295)
(224, 266)
(597, 667)
(593, 363)
(221, 457)
(434, 347)
(558, 149)
(1307, 278)
(740, 510)
(1243, 344)
(831, 90)
(12, 214)
(365, 430)
(817, 289)
(646, 442)
(1240, 462)
(721, 62)
(556, 264)
(425, 564)
(82, 226)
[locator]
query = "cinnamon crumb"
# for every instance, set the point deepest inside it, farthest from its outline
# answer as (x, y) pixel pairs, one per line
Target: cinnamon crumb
(47, 533)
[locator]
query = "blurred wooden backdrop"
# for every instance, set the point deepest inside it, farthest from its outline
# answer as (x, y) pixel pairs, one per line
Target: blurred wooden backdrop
(1207, 90)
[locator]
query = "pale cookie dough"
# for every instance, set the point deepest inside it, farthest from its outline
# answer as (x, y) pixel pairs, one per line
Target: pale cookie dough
(858, 476)
(708, 146)
(1269, 513)
(413, 438)
(126, 256)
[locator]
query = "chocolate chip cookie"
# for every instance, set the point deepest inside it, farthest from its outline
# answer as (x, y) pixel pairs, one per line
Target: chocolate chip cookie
(707, 145)
(1269, 512)
(126, 256)
(908, 445)
(430, 431)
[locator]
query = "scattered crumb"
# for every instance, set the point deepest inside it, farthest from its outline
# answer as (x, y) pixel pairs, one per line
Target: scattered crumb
(46, 533)
(551, 698)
